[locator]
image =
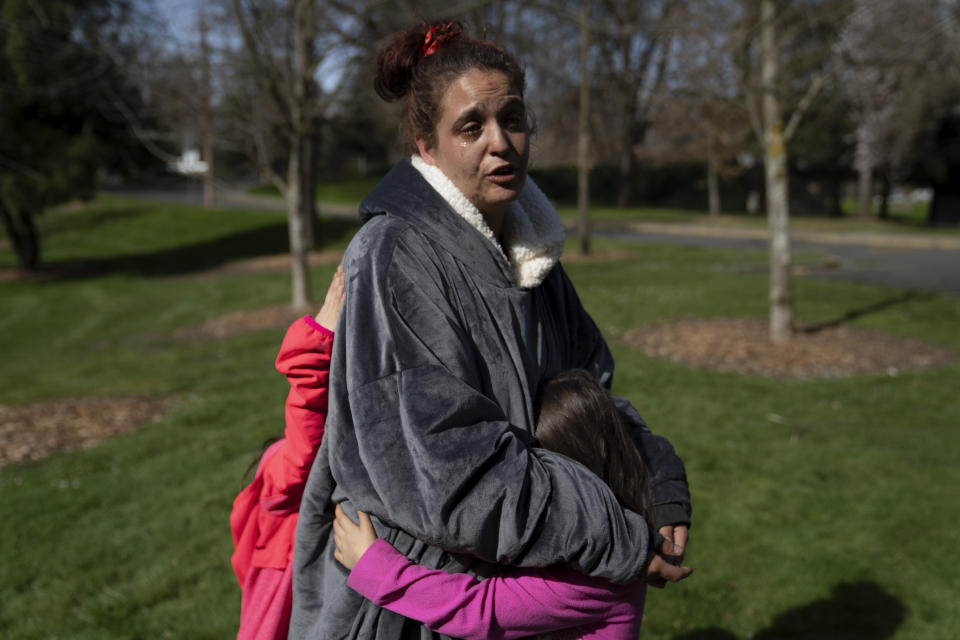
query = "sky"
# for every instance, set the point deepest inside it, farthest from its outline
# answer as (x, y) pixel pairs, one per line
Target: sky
(178, 19)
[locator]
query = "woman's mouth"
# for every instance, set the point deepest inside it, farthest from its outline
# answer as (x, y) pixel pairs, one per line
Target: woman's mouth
(503, 175)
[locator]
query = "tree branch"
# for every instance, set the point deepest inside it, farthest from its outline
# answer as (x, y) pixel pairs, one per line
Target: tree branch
(815, 86)
(750, 99)
(265, 74)
(139, 133)
(263, 162)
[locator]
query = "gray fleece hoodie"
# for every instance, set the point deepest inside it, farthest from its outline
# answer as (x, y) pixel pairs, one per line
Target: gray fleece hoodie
(439, 351)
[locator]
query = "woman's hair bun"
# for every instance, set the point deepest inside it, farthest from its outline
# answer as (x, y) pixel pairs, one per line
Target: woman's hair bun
(418, 64)
(399, 58)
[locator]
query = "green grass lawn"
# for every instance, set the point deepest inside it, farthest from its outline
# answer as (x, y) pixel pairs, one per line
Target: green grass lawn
(350, 191)
(836, 521)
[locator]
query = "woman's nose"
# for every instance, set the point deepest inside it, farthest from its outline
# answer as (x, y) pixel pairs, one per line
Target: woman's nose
(499, 141)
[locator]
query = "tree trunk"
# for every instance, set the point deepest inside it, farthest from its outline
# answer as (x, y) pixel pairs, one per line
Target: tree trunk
(299, 182)
(299, 248)
(863, 161)
(886, 186)
(778, 217)
(713, 182)
(633, 134)
(775, 161)
(23, 236)
(308, 189)
(625, 187)
(583, 133)
(864, 191)
(209, 197)
(836, 193)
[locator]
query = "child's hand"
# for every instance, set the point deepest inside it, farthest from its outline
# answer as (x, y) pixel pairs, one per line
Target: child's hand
(352, 540)
(662, 568)
(330, 311)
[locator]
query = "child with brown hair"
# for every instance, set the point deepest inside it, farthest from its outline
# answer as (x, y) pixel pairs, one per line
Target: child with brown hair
(520, 602)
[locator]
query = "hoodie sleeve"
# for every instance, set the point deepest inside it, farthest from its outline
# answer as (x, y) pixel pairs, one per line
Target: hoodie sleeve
(304, 359)
(428, 453)
(518, 604)
(668, 480)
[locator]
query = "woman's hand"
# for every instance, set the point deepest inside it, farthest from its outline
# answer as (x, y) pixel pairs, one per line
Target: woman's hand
(352, 540)
(330, 311)
(663, 567)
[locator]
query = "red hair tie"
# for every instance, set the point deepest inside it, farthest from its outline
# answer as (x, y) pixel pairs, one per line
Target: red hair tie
(437, 34)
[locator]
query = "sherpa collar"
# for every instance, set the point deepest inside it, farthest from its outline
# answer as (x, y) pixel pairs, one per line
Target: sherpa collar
(533, 235)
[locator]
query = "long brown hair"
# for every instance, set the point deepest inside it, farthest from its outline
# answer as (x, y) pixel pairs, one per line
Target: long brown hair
(579, 420)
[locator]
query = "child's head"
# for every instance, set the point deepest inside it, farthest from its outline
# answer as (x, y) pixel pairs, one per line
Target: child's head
(579, 420)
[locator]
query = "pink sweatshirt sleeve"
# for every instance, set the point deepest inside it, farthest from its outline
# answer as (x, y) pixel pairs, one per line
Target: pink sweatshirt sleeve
(304, 359)
(264, 515)
(525, 602)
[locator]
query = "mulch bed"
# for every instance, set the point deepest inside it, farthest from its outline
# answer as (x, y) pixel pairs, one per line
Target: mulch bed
(279, 262)
(29, 432)
(33, 431)
(239, 322)
(740, 345)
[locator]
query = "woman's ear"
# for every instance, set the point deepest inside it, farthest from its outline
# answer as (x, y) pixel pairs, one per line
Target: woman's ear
(425, 151)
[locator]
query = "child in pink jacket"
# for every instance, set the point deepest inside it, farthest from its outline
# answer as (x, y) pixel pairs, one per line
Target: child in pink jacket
(521, 602)
(264, 516)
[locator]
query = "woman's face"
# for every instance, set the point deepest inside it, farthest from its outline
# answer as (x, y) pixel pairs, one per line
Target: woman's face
(482, 142)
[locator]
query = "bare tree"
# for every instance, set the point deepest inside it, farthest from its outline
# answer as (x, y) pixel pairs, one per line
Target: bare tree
(636, 42)
(281, 52)
(607, 81)
(583, 132)
(700, 117)
(206, 107)
(693, 125)
(884, 49)
(765, 40)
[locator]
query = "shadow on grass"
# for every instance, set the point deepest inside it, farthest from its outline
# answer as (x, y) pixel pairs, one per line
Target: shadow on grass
(271, 239)
(854, 611)
(94, 218)
(853, 314)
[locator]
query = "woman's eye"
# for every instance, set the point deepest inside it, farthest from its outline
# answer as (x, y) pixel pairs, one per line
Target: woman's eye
(515, 122)
(471, 130)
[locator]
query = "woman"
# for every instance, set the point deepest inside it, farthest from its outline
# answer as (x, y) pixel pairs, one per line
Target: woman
(456, 309)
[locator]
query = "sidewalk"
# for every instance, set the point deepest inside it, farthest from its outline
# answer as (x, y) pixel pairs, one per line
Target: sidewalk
(912, 262)
(862, 238)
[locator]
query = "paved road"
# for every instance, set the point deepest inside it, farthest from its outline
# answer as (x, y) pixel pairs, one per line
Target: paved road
(192, 193)
(923, 262)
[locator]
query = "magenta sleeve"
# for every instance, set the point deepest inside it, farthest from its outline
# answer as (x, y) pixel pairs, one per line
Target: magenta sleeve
(525, 602)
